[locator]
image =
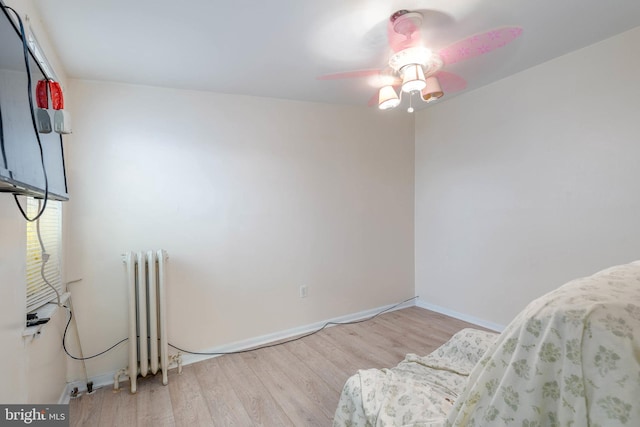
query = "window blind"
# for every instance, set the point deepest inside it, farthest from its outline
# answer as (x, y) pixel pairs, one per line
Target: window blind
(50, 226)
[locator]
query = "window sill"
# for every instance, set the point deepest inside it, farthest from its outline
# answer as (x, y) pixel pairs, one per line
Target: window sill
(47, 310)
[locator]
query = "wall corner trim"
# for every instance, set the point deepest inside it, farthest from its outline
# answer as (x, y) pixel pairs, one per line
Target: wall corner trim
(461, 316)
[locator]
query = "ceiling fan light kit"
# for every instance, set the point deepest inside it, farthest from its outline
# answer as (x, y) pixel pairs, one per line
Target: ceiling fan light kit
(415, 69)
(432, 90)
(412, 78)
(414, 63)
(387, 98)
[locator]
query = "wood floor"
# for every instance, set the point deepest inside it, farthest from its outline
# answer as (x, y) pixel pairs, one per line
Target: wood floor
(293, 384)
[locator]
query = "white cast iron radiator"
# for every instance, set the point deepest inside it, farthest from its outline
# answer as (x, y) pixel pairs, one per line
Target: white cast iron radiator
(148, 346)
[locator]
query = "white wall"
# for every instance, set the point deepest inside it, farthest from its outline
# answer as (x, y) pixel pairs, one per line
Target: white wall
(529, 182)
(32, 371)
(251, 198)
(519, 186)
(13, 388)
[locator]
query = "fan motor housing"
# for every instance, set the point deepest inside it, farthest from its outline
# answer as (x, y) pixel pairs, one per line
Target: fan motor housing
(406, 22)
(430, 62)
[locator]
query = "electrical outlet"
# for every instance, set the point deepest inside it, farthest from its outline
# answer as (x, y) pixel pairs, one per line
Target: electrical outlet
(304, 291)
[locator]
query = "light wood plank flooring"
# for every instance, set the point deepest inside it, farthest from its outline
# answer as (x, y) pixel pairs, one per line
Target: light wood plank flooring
(293, 384)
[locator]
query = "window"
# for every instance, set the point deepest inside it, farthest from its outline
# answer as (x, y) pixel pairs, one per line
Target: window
(48, 230)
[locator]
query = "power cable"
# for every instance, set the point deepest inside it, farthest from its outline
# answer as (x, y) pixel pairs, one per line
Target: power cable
(2, 149)
(327, 324)
(45, 258)
(64, 341)
(25, 51)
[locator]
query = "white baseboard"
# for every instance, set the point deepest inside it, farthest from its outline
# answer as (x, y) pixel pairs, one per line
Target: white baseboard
(187, 359)
(65, 396)
(277, 336)
(99, 381)
(471, 319)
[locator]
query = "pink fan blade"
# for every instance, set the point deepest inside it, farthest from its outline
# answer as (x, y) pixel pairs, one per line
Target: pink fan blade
(398, 41)
(450, 82)
(479, 44)
(349, 75)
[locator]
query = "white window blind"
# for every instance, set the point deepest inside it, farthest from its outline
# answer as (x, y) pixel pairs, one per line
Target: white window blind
(50, 226)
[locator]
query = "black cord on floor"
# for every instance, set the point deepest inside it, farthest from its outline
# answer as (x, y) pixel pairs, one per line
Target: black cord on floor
(351, 322)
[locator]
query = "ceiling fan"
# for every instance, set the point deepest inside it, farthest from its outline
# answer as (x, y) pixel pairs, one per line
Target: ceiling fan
(414, 68)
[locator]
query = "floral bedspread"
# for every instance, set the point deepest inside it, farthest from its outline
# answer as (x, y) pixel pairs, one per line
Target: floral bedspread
(420, 391)
(571, 358)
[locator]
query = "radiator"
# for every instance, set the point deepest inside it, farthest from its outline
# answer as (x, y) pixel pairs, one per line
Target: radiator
(148, 346)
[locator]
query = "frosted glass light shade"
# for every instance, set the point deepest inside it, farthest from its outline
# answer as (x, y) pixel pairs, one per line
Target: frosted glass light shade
(412, 78)
(432, 90)
(387, 98)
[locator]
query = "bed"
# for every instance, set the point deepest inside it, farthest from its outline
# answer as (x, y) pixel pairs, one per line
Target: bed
(570, 358)
(419, 391)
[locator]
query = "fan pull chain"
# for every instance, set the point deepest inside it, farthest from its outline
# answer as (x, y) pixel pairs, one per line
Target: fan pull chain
(410, 109)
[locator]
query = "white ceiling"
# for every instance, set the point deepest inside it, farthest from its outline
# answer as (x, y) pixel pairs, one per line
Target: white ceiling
(278, 48)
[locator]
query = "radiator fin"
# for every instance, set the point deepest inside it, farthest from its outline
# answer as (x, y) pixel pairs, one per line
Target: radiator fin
(148, 346)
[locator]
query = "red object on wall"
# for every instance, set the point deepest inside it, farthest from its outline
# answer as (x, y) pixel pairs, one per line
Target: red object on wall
(42, 96)
(57, 100)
